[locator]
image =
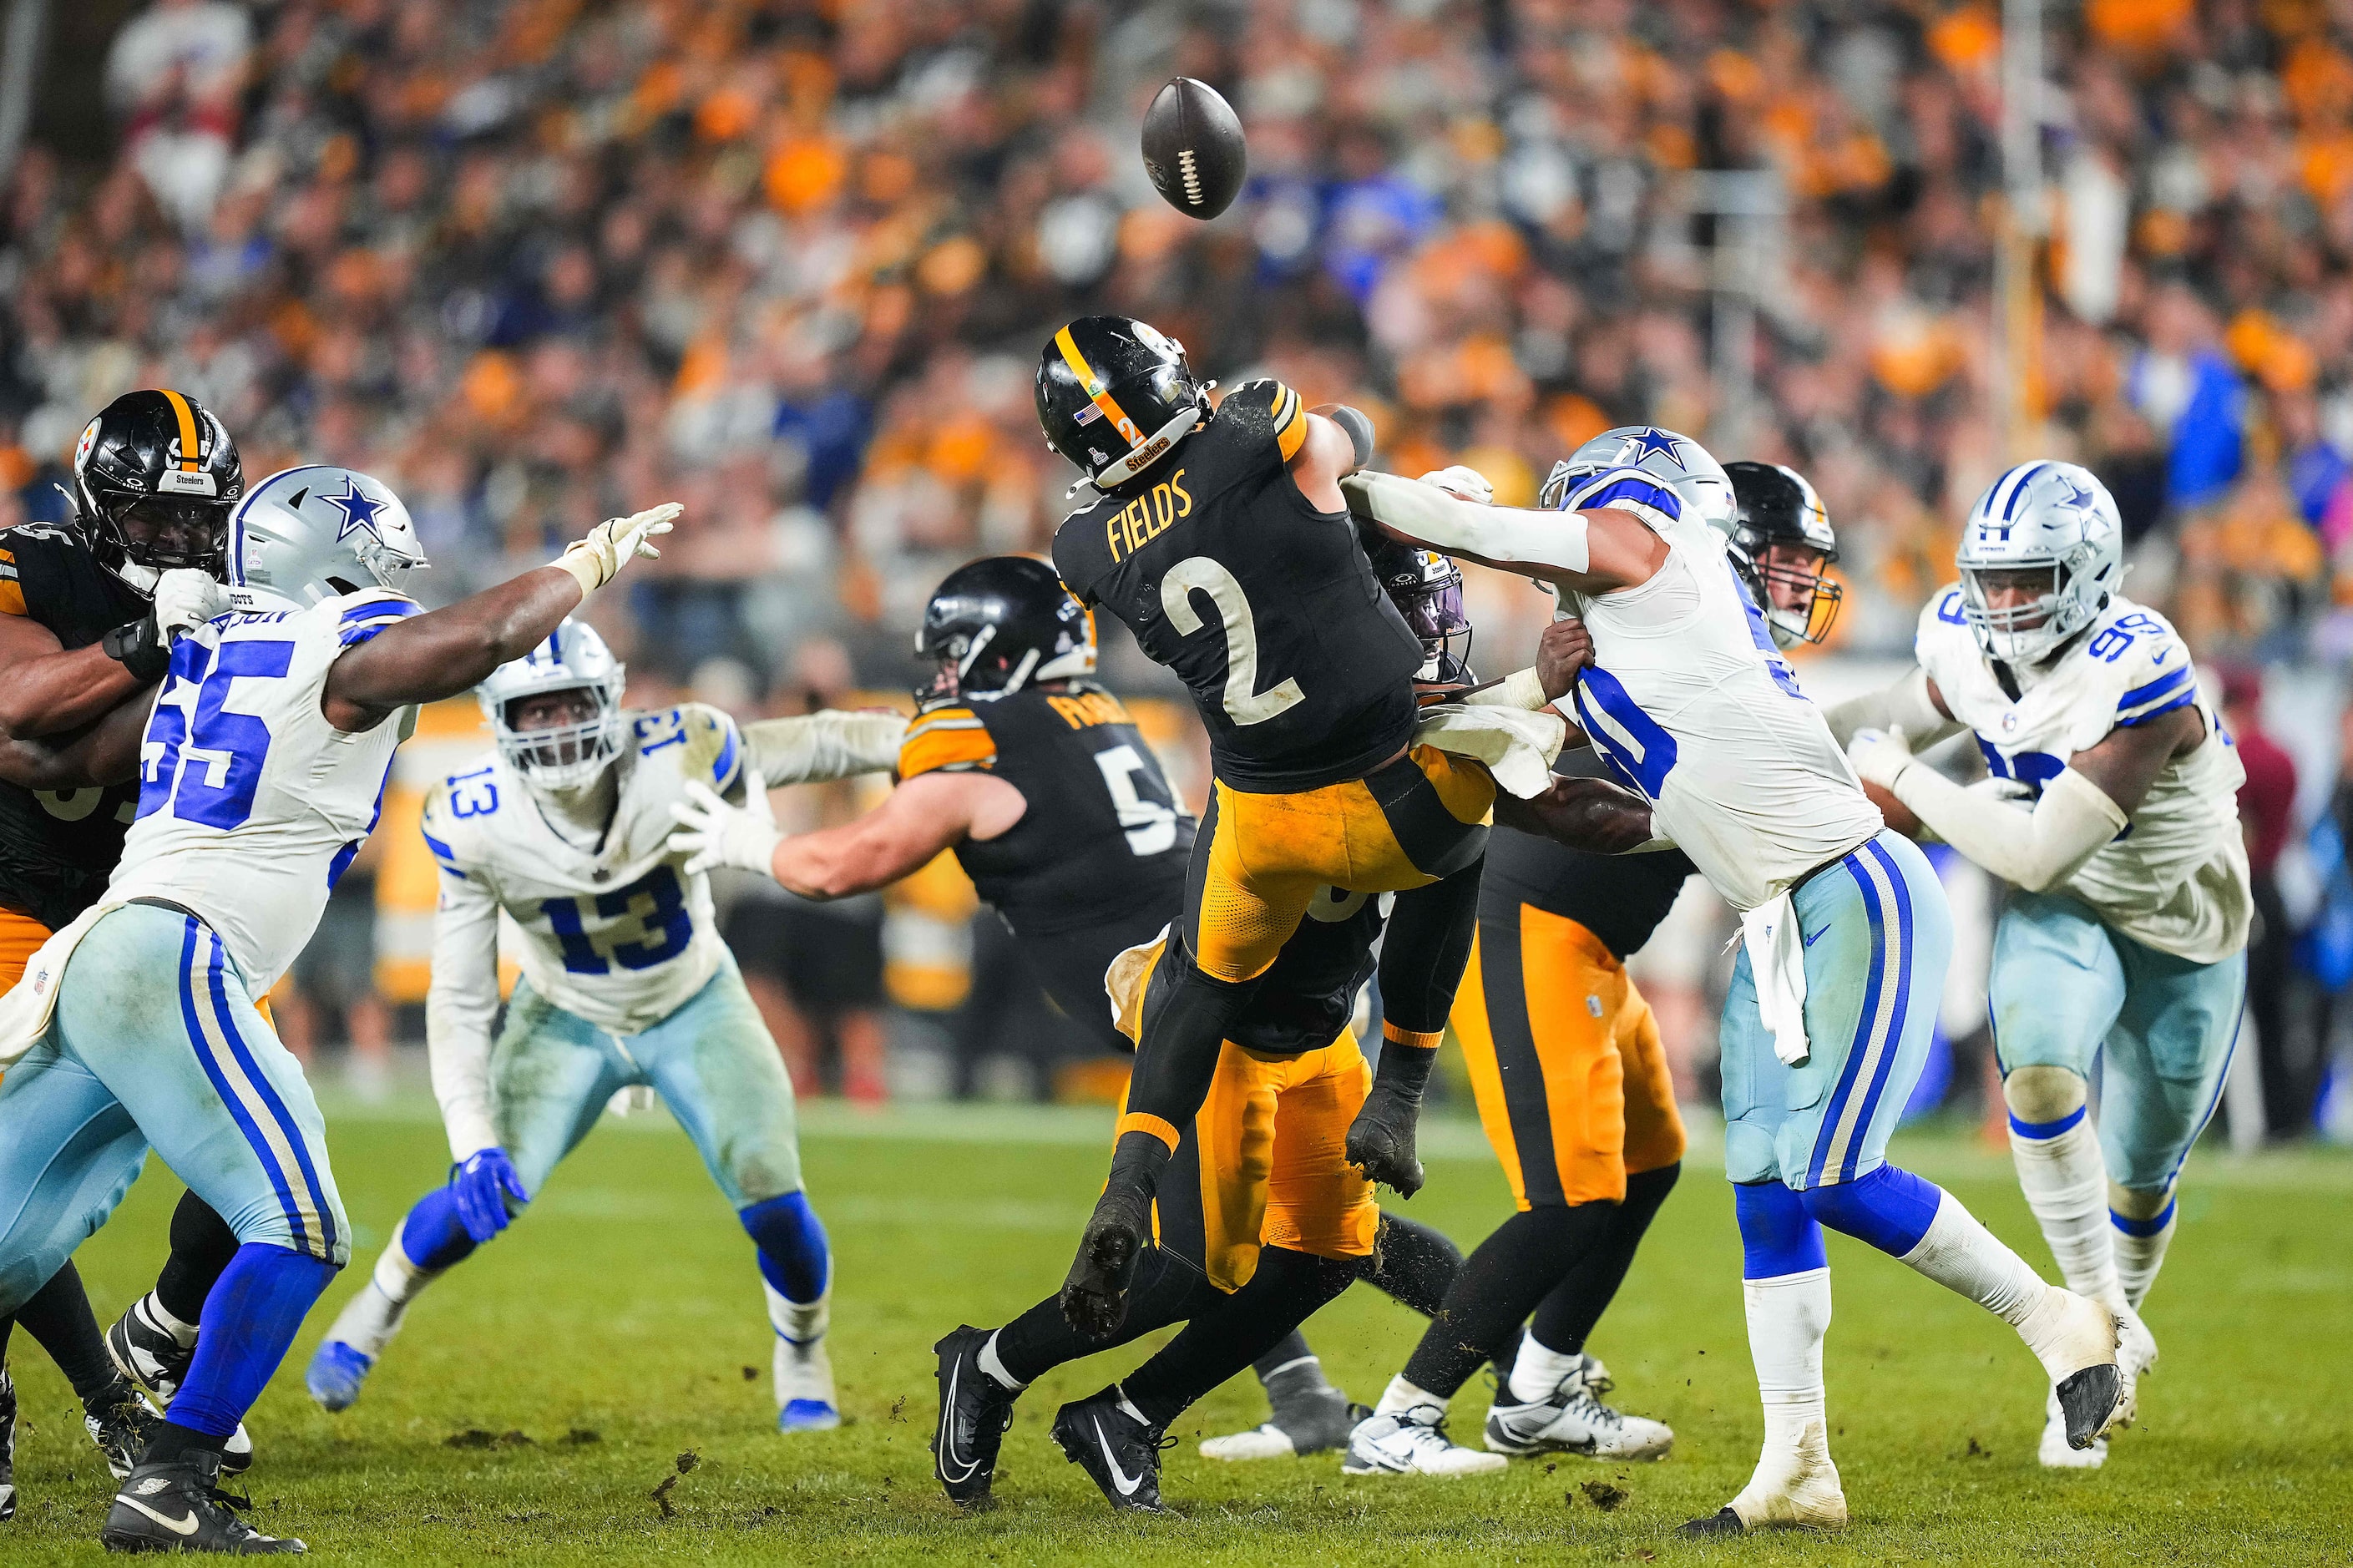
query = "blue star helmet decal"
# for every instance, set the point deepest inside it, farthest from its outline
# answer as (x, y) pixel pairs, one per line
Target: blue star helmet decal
(1653, 440)
(360, 511)
(2077, 496)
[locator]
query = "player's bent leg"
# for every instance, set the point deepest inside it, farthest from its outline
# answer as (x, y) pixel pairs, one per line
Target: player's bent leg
(155, 1339)
(429, 1242)
(796, 1275)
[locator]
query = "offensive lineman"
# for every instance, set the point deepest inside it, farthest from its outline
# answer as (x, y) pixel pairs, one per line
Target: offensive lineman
(626, 983)
(261, 768)
(1844, 925)
(2113, 812)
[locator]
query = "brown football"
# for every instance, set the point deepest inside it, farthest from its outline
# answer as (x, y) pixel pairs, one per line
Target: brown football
(1899, 816)
(1193, 148)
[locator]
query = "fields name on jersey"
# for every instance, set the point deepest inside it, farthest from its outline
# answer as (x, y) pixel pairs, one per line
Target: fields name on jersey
(1083, 709)
(1147, 517)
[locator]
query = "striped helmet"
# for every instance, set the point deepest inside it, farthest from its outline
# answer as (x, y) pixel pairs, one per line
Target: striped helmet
(316, 532)
(1677, 462)
(572, 658)
(2052, 529)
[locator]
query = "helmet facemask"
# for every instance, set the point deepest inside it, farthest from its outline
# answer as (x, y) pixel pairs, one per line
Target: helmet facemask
(140, 537)
(568, 753)
(2020, 612)
(1792, 586)
(1427, 589)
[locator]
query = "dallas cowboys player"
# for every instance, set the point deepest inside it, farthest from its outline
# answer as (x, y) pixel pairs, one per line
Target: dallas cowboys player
(262, 769)
(1845, 931)
(625, 984)
(2113, 812)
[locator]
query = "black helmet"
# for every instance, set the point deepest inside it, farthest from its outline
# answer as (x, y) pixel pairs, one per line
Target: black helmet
(155, 476)
(1000, 623)
(1774, 505)
(1114, 396)
(1427, 589)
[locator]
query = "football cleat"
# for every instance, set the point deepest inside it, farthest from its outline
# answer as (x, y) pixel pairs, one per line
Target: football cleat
(976, 1410)
(179, 1507)
(335, 1374)
(120, 1423)
(143, 1350)
(1309, 1425)
(2096, 1396)
(1412, 1443)
(803, 1370)
(1118, 1451)
(7, 1446)
(1094, 1296)
(1572, 1421)
(2055, 1452)
(1796, 1489)
(2135, 1356)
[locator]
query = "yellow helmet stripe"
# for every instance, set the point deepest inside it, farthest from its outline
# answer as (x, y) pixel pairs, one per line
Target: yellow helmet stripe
(187, 418)
(1097, 390)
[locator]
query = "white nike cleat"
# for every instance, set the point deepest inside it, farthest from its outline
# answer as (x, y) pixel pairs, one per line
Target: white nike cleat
(1572, 1421)
(2135, 1356)
(1412, 1443)
(1794, 1489)
(2053, 1451)
(1267, 1441)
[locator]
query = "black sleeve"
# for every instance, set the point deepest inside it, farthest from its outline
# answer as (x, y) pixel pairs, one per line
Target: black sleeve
(1079, 556)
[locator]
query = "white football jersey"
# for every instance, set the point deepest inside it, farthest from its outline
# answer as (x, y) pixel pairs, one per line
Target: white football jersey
(2176, 878)
(1688, 698)
(622, 936)
(250, 803)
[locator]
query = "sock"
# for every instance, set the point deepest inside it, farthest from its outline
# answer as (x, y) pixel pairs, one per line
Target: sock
(795, 1258)
(59, 1318)
(993, 1364)
(2066, 1185)
(1415, 1264)
(1566, 1316)
(371, 1318)
(1540, 1370)
(152, 1308)
(250, 1320)
(1789, 1317)
(1496, 1287)
(201, 1247)
(432, 1235)
(169, 1442)
(1232, 1331)
(1890, 1208)
(1167, 1290)
(1964, 1257)
(2140, 1249)
(1402, 1396)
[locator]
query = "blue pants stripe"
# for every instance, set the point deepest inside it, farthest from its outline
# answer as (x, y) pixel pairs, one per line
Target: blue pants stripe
(287, 1126)
(1859, 1055)
(201, 1045)
(1883, 1049)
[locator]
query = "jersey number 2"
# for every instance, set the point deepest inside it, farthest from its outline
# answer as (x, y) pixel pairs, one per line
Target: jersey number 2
(1245, 704)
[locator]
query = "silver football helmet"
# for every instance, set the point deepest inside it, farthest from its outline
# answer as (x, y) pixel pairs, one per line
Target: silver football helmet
(2041, 552)
(562, 756)
(314, 532)
(1680, 463)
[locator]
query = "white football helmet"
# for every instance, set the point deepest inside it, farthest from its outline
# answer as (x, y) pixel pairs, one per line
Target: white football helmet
(316, 532)
(2053, 523)
(1676, 461)
(562, 756)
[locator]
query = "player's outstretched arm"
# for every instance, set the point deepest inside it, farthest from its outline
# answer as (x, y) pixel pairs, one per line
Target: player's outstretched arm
(444, 652)
(927, 814)
(1913, 704)
(1585, 552)
(816, 748)
(105, 752)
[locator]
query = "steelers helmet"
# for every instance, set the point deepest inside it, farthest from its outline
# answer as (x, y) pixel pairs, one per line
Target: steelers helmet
(1427, 589)
(1774, 506)
(999, 623)
(155, 476)
(1116, 395)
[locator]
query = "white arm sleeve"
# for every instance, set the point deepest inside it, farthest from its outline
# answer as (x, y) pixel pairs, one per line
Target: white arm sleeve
(2035, 850)
(1520, 689)
(1508, 536)
(1905, 704)
(823, 746)
(458, 1006)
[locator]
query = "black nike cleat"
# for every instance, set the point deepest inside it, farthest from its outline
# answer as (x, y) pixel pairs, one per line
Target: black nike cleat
(7, 1446)
(975, 1411)
(178, 1506)
(1722, 1522)
(1381, 1142)
(1094, 1296)
(143, 1350)
(120, 1423)
(1121, 1453)
(2090, 1399)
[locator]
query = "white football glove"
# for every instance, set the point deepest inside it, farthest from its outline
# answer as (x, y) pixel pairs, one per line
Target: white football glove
(713, 833)
(613, 543)
(1880, 755)
(1459, 481)
(187, 597)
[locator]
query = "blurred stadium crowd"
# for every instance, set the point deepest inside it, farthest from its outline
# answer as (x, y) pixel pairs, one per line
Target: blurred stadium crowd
(536, 262)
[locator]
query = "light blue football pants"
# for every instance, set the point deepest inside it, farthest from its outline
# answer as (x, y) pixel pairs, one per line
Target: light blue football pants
(2067, 991)
(155, 1042)
(1878, 936)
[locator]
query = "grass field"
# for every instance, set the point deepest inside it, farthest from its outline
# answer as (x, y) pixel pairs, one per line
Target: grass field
(625, 1306)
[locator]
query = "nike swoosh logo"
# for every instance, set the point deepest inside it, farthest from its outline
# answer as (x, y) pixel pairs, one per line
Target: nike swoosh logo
(964, 1467)
(176, 1526)
(1120, 1478)
(1816, 937)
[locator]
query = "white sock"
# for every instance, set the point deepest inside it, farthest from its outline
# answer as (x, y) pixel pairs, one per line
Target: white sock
(2066, 1185)
(151, 1307)
(2138, 1258)
(993, 1364)
(1789, 1317)
(1540, 1369)
(1402, 1396)
(370, 1319)
(800, 1323)
(1965, 1256)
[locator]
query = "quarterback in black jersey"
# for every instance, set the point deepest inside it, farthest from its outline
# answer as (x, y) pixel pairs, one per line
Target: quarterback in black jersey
(1221, 540)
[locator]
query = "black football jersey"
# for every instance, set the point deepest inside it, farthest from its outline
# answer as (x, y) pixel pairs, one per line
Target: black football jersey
(1266, 607)
(1104, 831)
(58, 847)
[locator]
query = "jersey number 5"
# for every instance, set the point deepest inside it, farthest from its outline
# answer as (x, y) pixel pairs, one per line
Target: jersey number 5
(1151, 824)
(1245, 704)
(207, 767)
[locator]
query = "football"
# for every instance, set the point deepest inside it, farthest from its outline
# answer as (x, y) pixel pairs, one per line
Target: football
(1899, 816)
(1193, 148)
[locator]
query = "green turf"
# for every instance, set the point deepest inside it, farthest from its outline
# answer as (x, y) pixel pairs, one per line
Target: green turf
(625, 1305)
